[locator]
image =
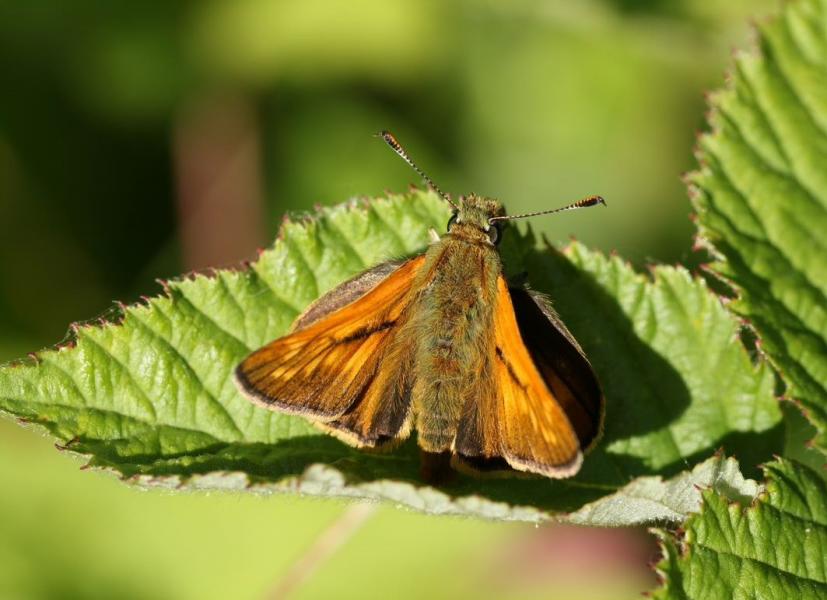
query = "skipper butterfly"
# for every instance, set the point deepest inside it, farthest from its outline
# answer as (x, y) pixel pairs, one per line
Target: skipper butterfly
(486, 373)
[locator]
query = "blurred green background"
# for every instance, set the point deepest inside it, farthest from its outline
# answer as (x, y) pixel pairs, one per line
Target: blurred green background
(143, 139)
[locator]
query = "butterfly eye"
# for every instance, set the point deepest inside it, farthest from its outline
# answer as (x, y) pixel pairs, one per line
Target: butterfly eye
(451, 221)
(494, 233)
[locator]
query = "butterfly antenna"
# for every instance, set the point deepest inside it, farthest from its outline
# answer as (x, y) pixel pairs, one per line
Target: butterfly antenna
(391, 141)
(584, 203)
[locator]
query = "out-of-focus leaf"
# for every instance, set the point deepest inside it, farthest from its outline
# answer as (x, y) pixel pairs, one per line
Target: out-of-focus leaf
(260, 42)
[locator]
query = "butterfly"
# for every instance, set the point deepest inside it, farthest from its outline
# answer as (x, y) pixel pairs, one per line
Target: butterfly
(486, 373)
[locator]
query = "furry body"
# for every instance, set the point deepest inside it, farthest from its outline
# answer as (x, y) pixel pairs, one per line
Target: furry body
(452, 328)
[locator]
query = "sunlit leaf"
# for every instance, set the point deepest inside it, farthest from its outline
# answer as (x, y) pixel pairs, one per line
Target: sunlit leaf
(151, 395)
(770, 548)
(761, 196)
(653, 500)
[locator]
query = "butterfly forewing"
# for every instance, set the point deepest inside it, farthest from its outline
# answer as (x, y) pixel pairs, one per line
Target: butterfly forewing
(345, 293)
(330, 367)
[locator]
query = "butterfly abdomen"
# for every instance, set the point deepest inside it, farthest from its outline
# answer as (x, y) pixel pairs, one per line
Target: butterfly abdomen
(456, 311)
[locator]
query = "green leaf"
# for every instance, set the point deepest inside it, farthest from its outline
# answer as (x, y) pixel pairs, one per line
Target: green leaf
(653, 500)
(770, 548)
(152, 397)
(761, 196)
(678, 381)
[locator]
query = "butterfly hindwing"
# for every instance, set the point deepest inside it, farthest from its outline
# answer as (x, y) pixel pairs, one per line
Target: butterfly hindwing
(561, 363)
(328, 367)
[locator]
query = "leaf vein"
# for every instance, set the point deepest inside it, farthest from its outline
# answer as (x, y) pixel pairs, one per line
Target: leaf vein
(145, 400)
(787, 82)
(804, 277)
(301, 259)
(254, 271)
(211, 322)
(764, 563)
(387, 227)
(194, 378)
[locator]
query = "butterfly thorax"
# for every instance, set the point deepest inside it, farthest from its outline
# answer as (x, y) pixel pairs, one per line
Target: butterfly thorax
(453, 323)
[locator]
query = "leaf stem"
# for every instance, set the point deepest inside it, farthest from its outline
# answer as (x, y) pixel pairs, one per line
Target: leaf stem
(325, 545)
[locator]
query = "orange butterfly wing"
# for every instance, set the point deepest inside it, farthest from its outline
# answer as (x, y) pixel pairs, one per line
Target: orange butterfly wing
(534, 432)
(562, 364)
(329, 370)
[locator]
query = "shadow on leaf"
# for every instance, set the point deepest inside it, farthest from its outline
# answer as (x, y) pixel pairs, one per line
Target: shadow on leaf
(645, 394)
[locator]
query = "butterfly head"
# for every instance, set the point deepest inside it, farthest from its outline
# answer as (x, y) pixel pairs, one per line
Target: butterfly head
(473, 219)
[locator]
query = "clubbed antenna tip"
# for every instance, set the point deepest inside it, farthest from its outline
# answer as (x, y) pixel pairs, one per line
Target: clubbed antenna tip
(582, 203)
(394, 144)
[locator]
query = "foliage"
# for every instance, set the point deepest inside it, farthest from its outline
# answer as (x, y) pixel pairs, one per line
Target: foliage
(762, 209)
(151, 396)
(761, 197)
(772, 547)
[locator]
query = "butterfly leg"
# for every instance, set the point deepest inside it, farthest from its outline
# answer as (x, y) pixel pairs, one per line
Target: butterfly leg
(435, 467)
